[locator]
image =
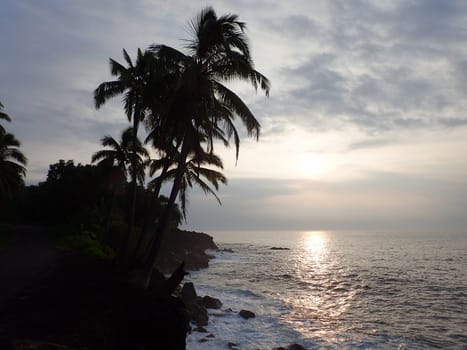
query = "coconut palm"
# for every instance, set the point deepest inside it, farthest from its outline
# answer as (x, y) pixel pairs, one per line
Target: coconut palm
(12, 165)
(3, 116)
(198, 171)
(201, 108)
(132, 83)
(117, 157)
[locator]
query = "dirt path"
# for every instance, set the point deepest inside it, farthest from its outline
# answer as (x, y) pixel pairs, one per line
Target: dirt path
(26, 260)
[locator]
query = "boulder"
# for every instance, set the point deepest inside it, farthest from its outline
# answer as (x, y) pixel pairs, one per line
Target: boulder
(211, 303)
(279, 248)
(198, 314)
(188, 294)
(186, 246)
(201, 329)
(246, 314)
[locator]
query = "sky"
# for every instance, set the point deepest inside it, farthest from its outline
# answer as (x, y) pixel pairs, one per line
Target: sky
(365, 127)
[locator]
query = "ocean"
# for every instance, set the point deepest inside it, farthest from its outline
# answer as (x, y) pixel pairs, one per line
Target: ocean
(336, 290)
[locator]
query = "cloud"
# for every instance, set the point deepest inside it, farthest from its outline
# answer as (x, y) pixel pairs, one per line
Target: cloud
(375, 66)
(382, 200)
(353, 76)
(372, 143)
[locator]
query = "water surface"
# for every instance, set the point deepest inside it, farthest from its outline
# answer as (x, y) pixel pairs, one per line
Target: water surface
(338, 290)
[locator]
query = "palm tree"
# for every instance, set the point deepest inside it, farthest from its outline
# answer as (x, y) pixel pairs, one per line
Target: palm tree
(201, 107)
(132, 82)
(117, 157)
(12, 165)
(198, 172)
(3, 116)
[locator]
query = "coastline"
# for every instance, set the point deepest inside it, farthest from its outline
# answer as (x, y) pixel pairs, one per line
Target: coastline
(82, 302)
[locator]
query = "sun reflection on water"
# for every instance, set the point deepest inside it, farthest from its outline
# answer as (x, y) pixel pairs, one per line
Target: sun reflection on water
(315, 243)
(323, 294)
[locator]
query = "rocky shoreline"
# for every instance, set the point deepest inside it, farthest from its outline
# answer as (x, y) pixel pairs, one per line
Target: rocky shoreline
(85, 303)
(192, 248)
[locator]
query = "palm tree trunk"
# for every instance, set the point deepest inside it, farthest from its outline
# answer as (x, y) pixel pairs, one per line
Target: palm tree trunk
(165, 220)
(131, 218)
(150, 215)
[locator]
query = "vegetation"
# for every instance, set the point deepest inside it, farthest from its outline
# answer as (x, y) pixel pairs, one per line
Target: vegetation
(186, 109)
(108, 210)
(12, 162)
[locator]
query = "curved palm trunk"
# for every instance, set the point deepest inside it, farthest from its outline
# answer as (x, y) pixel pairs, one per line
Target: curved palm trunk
(165, 220)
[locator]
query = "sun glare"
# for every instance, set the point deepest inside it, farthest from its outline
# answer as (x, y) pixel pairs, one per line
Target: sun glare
(311, 166)
(315, 242)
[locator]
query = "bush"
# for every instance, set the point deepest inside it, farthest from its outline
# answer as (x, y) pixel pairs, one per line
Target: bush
(85, 242)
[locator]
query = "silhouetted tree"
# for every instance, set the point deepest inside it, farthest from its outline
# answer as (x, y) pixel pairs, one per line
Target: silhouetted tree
(3, 116)
(201, 108)
(131, 82)
(198, 171)
(117, 159)
(12, 165)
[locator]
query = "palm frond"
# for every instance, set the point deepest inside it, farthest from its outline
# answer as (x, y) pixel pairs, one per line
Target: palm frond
(106, 91)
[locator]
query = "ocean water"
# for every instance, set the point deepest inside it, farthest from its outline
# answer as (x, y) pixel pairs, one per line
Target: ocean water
(337, 290)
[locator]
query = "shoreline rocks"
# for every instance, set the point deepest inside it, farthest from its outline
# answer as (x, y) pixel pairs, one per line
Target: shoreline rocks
(188, 246)
(211, 303)
(294, 346)
(246, 314)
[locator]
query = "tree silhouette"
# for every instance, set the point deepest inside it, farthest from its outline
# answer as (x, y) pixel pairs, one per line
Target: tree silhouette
(117, 159)
(12, 165)
(201, 108)
(3, 116)
(132, 83)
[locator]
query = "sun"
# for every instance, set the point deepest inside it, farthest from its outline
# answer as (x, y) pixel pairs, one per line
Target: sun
(311, 166)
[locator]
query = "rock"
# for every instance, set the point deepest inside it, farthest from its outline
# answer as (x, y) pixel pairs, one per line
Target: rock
(246, 314)
(139, 319)
(227, 250)
(210, 335)
(232, 345)
(294, 346)
(189, 293)
(201, 329)
(279, 248)
(186, 246)
(196, 260)
(198, 314)
(211, 303)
